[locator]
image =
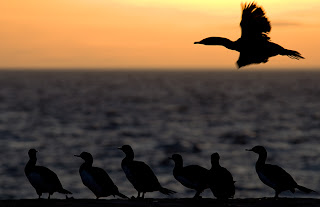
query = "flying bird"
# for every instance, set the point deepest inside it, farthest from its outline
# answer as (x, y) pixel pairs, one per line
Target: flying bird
(41, 178)
(274, 176)
(96, 179)
(140, 174)
(254, 44)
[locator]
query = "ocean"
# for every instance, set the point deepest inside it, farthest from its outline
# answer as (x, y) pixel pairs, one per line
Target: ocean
(158, 113)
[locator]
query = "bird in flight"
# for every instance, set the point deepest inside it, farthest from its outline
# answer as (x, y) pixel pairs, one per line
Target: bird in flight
(254, 44)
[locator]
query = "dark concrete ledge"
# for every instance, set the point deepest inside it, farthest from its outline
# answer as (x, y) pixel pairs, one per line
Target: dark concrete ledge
(182, 202)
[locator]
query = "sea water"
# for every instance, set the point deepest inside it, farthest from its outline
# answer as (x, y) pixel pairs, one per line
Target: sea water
(158, 113)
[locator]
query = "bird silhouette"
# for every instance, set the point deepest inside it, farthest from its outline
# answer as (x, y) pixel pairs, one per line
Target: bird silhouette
(96, 179)
(191, 176)
(140, 174)
(274, 176)
(254, 44)
(222, 183)
(41, 178)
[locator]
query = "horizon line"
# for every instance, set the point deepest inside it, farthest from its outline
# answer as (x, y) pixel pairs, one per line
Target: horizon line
(165, 69)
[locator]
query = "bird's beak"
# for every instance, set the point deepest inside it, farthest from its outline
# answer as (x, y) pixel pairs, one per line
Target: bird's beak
(170, 158)
(196, 43)
(248, 149)
(77, 155)
(120, 148)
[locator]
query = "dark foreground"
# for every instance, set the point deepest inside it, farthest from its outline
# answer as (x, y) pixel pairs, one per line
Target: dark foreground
(250, 202)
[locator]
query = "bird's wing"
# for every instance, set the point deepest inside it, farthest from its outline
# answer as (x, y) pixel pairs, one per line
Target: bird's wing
(195, 173)
(254, 23)
(278, 175)
(246, 58)
(48, 176)
(146, 173)
(102, 178)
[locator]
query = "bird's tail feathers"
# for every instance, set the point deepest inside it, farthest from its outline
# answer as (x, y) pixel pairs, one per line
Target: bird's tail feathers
(166, 191)
(64, 191)
(121, 195)
(306, 190)
(292, 54)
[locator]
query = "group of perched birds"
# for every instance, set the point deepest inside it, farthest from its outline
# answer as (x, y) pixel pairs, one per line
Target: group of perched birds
(218, 179)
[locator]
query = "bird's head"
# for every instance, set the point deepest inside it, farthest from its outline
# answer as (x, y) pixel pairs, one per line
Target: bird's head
(258, 149)
(215, 157)
(32, 153)
(127, 149)
(177, 158)
(86, 156)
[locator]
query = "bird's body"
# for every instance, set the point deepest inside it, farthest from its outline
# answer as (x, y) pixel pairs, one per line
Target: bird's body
(140, 174)
(41, 178)
(96, 179)
(274, 176)
(191, 176)
(254, 44)
(222, 183)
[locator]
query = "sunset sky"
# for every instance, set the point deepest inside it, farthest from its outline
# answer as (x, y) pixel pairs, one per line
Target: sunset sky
(147, 33)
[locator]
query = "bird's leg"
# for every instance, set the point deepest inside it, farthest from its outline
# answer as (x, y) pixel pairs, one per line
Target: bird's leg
(143, 194)
(197, 195)
(49, 196)
(138, 194)
(39, 194)
(276, 196)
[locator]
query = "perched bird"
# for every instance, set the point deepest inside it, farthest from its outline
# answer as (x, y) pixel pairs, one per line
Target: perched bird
(96, 179)
(274, 176)
(41, 178)
(254, 44)
(140, 174)
(192, 176)
(222, 184)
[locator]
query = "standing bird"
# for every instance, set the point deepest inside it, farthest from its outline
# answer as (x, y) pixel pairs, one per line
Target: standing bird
(41, 178)
(274, 176)
(254, 44)
(96, 179)
(192, 176)
(222, 183)
(140, 174)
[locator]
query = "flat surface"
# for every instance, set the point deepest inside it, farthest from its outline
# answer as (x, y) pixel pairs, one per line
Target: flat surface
(301, 202)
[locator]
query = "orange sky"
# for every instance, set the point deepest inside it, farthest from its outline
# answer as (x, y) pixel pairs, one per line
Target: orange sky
(146, 33)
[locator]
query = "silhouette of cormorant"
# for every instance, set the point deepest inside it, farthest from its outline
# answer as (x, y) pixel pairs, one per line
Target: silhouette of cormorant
(274, 176)
(96, 179)
(222, 183)
(41, 178)
(140, 174)
(254, 44)
(191, 176)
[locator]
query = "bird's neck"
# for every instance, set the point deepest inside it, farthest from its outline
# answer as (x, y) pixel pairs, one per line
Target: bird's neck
(261, 160)
(228, 43)
(129, 157)
(215, 165)
(87, 164)
(31, 163)
(178, 166)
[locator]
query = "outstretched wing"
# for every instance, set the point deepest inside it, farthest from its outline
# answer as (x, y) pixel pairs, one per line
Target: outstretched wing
(251, 58)
(254, 23)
